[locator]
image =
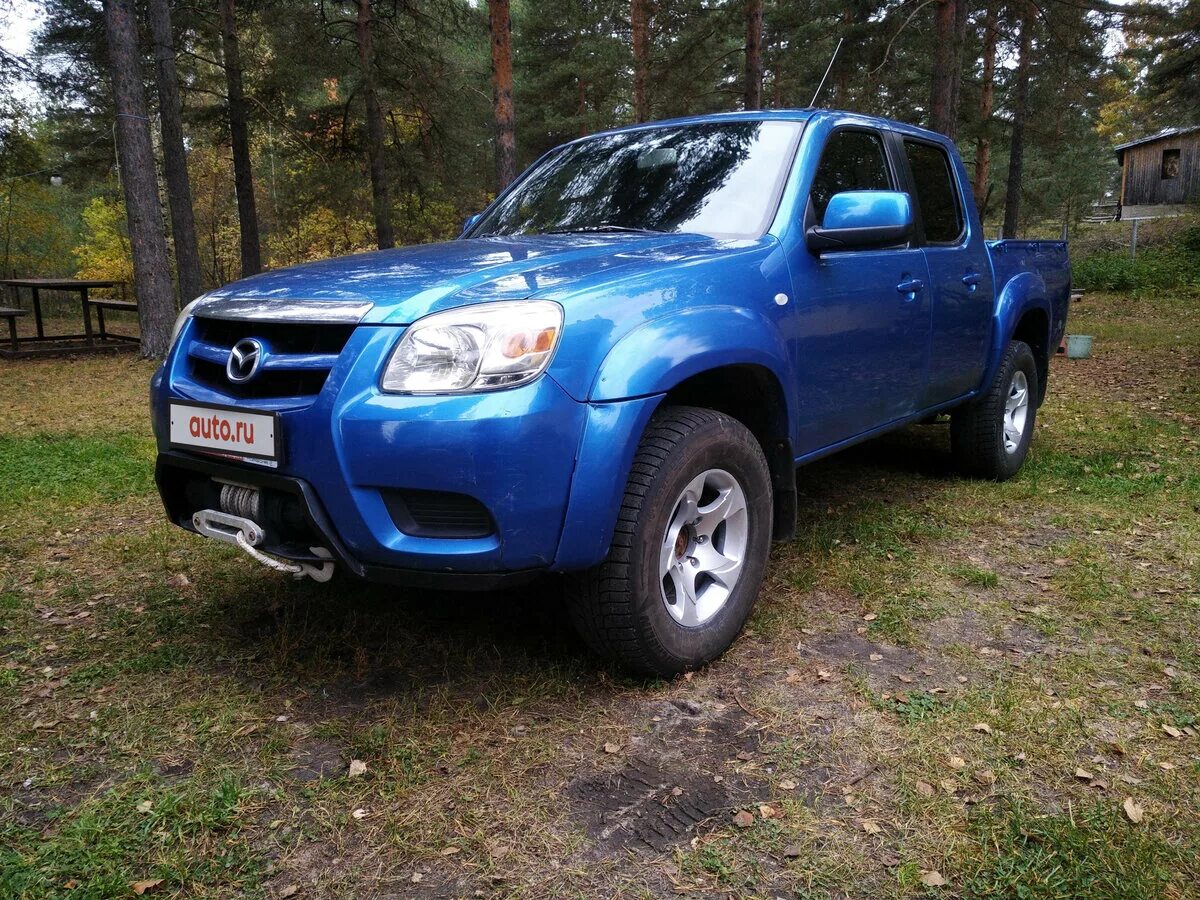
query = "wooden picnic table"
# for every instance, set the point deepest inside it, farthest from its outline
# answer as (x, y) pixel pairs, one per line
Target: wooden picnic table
(107, 340)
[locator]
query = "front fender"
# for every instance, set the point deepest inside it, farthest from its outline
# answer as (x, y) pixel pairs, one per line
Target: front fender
(1022, 293)
(661, 353)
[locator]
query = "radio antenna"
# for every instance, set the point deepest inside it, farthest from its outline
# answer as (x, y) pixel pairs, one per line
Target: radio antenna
(828, 68)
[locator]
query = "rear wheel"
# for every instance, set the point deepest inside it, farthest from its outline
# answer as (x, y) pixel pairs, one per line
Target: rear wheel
(689, 551)
(990, 436)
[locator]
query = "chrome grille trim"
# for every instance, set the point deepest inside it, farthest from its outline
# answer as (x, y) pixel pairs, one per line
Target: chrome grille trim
(267, 309)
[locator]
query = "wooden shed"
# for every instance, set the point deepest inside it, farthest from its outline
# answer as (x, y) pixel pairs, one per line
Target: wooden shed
(1160, 174)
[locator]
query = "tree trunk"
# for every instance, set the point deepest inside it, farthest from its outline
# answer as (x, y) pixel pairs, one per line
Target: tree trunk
(151, 268)
(179, 188)
(1016, 147)
(754, 64)
(961, 17)
(987, 93)
(379, 187)
(500, 24)
(640, 22)
(243, 176)
(941, 79)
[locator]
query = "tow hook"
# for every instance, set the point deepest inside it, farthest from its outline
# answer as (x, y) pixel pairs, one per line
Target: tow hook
(248, 534)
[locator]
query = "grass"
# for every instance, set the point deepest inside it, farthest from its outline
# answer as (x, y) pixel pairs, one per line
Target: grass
(930, 664)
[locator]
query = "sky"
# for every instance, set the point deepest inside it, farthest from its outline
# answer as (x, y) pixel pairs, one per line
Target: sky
(16, 36)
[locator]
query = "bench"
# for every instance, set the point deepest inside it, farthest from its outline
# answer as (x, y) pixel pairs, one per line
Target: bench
(7, 312)
(100, 305)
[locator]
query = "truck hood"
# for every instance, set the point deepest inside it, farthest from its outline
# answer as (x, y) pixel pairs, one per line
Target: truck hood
(407, 283)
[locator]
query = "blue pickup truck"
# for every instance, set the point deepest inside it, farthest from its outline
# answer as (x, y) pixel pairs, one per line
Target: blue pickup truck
(614, 373)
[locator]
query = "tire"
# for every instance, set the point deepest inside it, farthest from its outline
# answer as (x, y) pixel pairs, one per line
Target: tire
(985, 440)
(624, 608)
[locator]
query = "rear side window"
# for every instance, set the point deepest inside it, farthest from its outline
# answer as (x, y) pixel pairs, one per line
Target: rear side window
(852, 161)
(935, 192)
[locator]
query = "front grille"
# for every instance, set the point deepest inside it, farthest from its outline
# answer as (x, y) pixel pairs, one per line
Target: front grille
(297, 356)
(438, 514)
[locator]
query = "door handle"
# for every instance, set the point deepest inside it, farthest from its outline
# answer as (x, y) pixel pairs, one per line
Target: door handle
(971, 280)
(910, 286)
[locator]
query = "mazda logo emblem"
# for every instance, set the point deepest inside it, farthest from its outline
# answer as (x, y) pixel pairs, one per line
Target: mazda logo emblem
(244, 360)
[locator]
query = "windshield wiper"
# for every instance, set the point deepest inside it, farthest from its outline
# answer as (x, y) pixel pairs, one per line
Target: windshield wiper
(602, 228)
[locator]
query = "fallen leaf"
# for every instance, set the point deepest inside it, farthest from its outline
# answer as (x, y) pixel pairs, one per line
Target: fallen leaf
(612, 748)
(767, 812)
(677, 791)
(144, 887)
(823, 675)
(1084, 775)
(745, 755)
(949, 785)
(360, 813)
(1166, 766)
(744, 819)
(932, 879)
(982, 726)
(1172, 730)
(451, 851)
(145, 806)
(417, 878)
(957, 762)
(290, 891)
(871, 827)
(985, 776)
(178, 581)
(876, 657)
(924, 788)
(787, 785)
(792, 851)
(357, 767)
(1135, 812)
(870, 617)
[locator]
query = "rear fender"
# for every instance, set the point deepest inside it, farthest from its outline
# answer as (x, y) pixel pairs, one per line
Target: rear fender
(1021, 294)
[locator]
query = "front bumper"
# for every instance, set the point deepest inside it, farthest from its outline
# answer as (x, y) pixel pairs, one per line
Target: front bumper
(549, 470)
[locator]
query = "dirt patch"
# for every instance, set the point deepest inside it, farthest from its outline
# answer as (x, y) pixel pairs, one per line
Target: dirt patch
(680, 777)
(317, 760)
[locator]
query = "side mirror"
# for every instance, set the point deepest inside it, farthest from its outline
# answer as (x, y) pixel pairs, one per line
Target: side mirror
(469, 223)
(856, 220)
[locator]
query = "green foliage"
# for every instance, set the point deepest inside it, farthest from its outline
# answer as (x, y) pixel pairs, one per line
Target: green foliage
(1092, 852)
(1153, 269)
(141, 830)
(73, 470)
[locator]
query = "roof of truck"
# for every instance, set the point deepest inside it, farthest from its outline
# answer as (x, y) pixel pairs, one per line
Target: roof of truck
(781, 115)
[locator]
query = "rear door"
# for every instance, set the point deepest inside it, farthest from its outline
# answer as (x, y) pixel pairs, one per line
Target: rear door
(862, 316)
(960, 276)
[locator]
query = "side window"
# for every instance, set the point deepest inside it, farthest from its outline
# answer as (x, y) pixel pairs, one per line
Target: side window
(852, 161)
(935, 192)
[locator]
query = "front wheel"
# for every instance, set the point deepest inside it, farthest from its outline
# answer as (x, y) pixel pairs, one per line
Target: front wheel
(689, 551)
(989, 437)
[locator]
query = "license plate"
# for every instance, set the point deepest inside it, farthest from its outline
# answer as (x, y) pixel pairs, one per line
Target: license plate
(220, 429)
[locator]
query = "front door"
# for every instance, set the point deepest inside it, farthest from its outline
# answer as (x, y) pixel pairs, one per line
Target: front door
(863, 316)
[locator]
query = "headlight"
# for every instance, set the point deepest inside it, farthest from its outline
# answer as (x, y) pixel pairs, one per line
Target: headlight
(476, 348)
(180, 321)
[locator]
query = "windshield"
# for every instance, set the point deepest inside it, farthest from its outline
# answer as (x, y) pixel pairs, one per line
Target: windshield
(721, 179)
